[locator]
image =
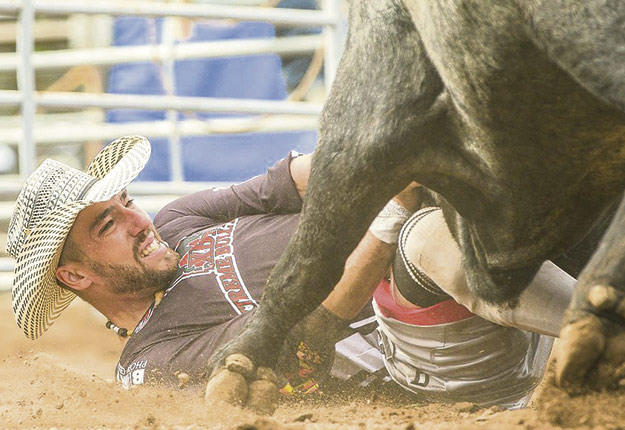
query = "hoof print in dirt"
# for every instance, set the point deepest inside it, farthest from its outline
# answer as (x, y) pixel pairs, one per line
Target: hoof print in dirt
(237, 384)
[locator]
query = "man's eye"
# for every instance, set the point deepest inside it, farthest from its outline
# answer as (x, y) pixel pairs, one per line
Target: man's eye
(107, 226)
(129, 202)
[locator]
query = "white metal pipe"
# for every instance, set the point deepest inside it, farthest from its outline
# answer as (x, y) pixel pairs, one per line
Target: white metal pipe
(197, 104)
(84, 131)
(168, 76)
(26, 85)
(6, 281)
(281, 16)
(183, 51)
(7, 264)
(333, 43)
(10, 98)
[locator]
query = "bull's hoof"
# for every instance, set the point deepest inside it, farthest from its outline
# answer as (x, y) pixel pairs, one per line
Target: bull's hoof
(226, 386)
(263, 397)
(603, 297)
(581, 344)
(241, 364)
(237, 384)
(592, 348)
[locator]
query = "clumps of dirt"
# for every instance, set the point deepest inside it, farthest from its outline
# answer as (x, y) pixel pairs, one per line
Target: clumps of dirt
(40, 393)
(339, 405)
(337, 392)
(149, 422)
(264, 424)
(379, 406)
(581, 407)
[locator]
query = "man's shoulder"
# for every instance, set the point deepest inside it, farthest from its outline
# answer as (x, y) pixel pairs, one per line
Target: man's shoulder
(167, 213)
(146, 357)
(131, 374)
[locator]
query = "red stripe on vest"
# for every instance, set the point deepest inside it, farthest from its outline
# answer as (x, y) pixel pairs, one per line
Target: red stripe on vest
(444, 312)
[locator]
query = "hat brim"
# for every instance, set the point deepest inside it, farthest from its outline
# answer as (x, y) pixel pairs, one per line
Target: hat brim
(38, 299)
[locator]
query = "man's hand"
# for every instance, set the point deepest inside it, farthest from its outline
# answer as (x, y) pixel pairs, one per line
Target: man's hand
(409, 197)
(308, 353)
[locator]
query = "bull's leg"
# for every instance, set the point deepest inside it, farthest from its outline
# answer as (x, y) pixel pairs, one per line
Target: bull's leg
(594, 330)
(586, 39)
(384, 110)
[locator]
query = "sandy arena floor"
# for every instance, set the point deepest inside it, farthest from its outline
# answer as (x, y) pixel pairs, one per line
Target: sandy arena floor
(65, 381)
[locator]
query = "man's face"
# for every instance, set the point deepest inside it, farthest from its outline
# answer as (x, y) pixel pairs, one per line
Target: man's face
(121, 248)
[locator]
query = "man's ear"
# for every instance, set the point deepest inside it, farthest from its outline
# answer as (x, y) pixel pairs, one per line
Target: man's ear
(73, 277)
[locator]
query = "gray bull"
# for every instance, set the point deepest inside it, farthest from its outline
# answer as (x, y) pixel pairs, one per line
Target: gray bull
(512, 112)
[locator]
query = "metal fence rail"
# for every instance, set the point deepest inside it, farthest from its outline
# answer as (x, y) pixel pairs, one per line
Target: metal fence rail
(132, 101)
(25, 61)
(74, 131)
(183, 51)
(292, 17)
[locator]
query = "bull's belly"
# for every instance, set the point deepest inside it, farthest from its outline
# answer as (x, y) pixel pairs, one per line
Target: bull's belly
(549, 193)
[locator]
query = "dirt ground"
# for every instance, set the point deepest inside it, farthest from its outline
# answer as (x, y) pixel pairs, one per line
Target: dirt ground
(65, 381)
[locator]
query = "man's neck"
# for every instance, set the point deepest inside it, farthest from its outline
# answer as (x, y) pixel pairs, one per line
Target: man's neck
(124, 311)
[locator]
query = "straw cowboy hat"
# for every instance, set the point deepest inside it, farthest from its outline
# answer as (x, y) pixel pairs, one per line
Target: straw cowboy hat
(43, 215)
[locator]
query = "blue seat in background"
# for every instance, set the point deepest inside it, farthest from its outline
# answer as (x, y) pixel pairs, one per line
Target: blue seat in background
(228, 158)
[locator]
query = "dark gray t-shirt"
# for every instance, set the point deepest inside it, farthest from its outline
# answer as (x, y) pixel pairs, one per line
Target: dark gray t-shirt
(229, 240)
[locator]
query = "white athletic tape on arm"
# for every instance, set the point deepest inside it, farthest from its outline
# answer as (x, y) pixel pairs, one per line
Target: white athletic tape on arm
(388, 223)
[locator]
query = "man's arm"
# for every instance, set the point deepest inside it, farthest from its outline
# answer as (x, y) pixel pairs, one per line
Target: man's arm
(368, 264)
(308, 353)
(274, 192)
(364, 269)
(300, 172)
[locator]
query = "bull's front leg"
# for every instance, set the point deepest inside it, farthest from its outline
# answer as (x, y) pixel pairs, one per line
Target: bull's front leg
(383, 111)
(592, 348)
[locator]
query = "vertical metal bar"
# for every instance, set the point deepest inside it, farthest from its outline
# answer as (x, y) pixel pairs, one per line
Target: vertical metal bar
(333, 43)
(169, 77)
(26, 85)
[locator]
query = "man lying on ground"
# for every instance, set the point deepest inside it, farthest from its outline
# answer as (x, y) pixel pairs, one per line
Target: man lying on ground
(81, 234)
(178, 289)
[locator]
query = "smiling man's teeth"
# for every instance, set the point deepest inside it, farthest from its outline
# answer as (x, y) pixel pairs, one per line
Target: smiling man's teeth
(150, 249)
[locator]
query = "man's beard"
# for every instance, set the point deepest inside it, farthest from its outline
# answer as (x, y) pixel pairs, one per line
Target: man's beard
(125, 279)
